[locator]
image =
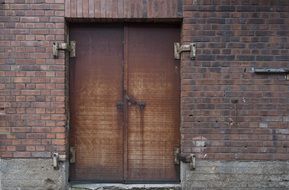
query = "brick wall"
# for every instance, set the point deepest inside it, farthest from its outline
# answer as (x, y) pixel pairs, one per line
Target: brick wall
(32, 87)
(229, 112)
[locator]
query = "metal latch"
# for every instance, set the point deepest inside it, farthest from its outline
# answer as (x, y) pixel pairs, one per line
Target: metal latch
(70, 47)
(72, 155)
(178, 49)
(191, 159)
(132, 101)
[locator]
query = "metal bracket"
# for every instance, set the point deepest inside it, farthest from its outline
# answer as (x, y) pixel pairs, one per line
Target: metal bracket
(72, 155)
(192, 163)
(272, 71)
(190, 159)
(70, 47)
(178, 49)
(55, 160)
(132, 101)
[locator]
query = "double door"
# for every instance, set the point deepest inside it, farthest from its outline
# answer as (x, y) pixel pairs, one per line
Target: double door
(124, 103)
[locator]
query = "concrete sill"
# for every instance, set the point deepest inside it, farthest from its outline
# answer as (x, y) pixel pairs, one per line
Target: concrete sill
(118, 186)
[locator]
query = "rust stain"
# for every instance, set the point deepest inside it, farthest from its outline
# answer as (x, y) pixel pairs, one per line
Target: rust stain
(132, 65)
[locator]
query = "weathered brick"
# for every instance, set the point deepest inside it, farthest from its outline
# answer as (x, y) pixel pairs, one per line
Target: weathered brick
(241, 115)
(265, 58)
(22, 154)
(253, 49)
(246, 58)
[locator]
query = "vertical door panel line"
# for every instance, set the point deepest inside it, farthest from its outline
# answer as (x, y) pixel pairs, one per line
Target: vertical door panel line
(123, 111)
(125, 86)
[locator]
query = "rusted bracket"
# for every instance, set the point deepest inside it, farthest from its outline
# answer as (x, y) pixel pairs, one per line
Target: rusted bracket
(178, 49)
(190, 159)
(272, 71)
(56, 158)
(70, 47)
(72, 155)
(132, 101)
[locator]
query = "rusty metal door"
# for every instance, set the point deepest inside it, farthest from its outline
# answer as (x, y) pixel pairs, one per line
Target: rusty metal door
(95, 87)
(124, 97)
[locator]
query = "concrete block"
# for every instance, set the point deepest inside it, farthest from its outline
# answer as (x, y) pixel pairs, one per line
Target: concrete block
(238, 175)
(116, 186)
(28, 174)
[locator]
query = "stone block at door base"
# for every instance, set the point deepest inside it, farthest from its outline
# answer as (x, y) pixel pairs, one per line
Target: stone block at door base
(31, 174)
(236, 175)
(117, 186)
(38, 174)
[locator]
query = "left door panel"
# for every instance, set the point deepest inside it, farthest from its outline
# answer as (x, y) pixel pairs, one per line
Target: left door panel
(95, 87)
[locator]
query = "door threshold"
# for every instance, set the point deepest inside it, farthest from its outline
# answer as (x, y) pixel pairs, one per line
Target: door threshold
(120, 186)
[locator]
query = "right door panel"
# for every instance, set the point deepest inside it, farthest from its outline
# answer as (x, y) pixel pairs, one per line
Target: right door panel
(153, 78)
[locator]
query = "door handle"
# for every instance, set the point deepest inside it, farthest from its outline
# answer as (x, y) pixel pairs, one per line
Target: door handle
(133, 101)
(119, 105)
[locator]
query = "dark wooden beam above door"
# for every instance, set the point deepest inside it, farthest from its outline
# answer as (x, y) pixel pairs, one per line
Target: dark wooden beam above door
(121, 9)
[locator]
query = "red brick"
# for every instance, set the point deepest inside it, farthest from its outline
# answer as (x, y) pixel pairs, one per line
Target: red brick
(30, 148)
(57, 129)
(58, 142)
(51, 136)
(34, 84)
(40, 148)
(60, 136)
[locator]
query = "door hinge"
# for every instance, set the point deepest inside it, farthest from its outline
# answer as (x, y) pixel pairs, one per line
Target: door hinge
(190, 159)
(70, 47)
(71, 155)
(178, 49)
(56, 158)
